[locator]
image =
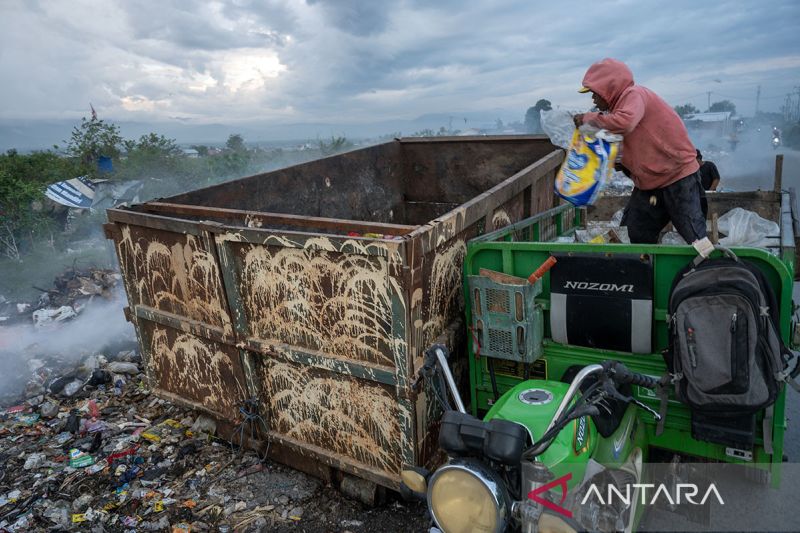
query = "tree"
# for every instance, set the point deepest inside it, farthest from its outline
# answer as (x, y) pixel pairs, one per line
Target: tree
(724, 105)
(92, 139)
(235, 143)
(152, 155)
(202, 150)
(686, 109)
(337, 144)
(152, 145)
(23, 179)
(533, 117)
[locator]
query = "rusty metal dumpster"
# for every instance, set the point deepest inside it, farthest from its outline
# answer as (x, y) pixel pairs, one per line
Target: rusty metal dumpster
(314, 290)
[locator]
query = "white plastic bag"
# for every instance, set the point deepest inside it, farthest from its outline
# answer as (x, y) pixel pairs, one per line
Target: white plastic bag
(558, 125)
(674, 238)
(746, 228)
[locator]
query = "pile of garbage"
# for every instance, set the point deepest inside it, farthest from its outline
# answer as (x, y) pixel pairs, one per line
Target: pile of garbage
(86, 446)
(737, 227)
(72, 291)
(90, 448)
(618, 184)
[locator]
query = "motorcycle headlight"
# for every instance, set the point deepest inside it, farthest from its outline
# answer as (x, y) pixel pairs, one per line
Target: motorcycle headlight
(467, 496)
(549, 523)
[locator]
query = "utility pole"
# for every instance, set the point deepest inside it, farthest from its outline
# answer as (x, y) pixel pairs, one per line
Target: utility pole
(787, 107)
(796, 116)
(708, 107)
(758, 97)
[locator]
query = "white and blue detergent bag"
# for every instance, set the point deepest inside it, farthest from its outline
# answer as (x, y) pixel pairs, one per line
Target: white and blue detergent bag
(587, 167)
(590, 157)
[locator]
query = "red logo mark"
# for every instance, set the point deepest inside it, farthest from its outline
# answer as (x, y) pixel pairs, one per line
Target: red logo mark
(560, 482)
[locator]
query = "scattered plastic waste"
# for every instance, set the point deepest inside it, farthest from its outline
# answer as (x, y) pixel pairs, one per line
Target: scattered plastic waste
(45, 317)
(33, 461)
(121, 367)
(673, 238)
(86, 446)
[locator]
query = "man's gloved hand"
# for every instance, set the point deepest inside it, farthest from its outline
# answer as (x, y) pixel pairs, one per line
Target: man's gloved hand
(578, 120)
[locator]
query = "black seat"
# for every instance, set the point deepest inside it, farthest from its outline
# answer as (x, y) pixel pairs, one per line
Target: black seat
(602, 300)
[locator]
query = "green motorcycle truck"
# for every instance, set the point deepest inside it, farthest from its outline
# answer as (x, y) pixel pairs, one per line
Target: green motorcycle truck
(566, 382)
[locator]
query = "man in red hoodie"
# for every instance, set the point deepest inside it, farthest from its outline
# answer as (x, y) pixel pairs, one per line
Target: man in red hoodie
(655, 149)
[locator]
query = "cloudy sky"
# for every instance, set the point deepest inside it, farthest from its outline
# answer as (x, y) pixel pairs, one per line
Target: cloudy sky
(294, 61)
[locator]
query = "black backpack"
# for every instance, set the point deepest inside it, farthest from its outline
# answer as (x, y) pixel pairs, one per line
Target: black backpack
(725, 357)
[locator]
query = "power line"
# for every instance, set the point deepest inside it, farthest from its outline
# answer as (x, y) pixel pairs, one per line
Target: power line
(750, 98)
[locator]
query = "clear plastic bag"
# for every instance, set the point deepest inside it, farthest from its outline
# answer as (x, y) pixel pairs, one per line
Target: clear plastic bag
(746, 228)
(673, 238)
(558, 125)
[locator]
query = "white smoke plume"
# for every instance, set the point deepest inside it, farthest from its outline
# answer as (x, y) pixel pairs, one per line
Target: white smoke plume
(99, 326)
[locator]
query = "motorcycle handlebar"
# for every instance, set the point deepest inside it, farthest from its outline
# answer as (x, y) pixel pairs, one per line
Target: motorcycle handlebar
(621, 376)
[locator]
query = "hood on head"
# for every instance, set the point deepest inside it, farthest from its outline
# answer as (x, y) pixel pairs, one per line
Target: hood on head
(609, 78)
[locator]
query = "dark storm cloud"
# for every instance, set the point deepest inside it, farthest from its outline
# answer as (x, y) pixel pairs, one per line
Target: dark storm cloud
(354, 60)
(355, 16)
(187, 26)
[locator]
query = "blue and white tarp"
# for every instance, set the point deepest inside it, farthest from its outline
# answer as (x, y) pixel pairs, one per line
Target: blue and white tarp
(77, 192)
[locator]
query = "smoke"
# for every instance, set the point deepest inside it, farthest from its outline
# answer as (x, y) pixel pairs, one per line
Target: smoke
(748, 166)
(99, 326)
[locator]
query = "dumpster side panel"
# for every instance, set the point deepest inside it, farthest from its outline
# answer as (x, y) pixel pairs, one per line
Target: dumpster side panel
(174, 273)
(365, 184)
(508, 213)
(452, 171)
(318, 299)
(437, 302)
(323, 324)
(194, 370)
(346, 416)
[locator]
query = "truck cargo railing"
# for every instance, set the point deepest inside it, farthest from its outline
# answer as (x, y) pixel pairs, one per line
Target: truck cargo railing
(520, 248)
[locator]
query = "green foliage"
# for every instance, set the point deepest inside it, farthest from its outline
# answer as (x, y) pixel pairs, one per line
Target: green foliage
(441, 132)
(26, 216)
(202, 150)
(152, 155)
(23, 179)
(230, 163)
(724, 105)
(686, 109)
(791, 137)
(152, 145)
(336, 145)
(235, 143)
(92, 139)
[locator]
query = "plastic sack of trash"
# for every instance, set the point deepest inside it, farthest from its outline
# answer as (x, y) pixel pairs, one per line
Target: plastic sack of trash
(746, 228)
(558, 125)
(589, 163)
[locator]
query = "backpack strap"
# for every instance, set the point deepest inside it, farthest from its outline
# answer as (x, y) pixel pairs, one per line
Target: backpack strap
(786, 375)
(662, 392)
(767, 428)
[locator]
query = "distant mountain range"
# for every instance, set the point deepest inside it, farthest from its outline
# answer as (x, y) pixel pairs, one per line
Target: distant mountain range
(26, 135)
